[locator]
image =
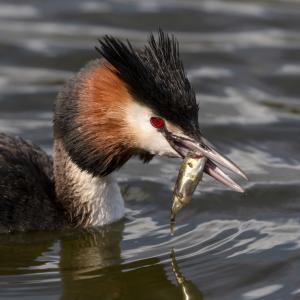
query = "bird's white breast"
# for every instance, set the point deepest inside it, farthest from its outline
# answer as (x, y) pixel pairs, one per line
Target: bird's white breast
(101, 196)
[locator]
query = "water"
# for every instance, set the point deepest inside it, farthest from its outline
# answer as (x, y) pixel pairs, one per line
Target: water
(243, 59)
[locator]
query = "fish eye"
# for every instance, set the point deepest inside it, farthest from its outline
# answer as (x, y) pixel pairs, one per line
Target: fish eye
(157, 122)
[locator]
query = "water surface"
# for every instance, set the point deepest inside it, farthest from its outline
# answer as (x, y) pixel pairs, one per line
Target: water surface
(243, 59)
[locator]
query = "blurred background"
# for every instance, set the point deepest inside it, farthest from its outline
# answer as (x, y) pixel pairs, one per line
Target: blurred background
(243, 60)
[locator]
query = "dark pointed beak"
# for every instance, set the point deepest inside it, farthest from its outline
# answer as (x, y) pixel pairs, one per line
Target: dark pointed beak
(201, 147)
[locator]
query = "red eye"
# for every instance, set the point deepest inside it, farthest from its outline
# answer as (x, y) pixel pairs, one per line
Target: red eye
(157, 122)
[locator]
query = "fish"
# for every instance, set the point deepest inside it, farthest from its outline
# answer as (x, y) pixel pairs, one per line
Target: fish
(189, 176)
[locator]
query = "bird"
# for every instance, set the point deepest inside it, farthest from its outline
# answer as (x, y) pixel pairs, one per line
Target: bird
(127, 102)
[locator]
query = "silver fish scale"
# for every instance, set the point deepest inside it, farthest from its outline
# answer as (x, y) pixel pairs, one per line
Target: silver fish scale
(189, 176)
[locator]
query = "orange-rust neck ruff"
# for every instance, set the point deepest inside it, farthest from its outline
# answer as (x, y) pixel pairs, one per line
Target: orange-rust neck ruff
(102, 116)
(90, 120)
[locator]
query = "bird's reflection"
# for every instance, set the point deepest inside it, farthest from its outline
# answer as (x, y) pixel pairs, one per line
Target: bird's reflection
(91, 266)
(89, 250)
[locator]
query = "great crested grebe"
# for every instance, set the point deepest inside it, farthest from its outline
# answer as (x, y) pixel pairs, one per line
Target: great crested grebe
(129, 102)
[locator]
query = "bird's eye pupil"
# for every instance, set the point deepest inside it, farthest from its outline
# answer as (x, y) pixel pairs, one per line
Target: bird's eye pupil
(157, 122)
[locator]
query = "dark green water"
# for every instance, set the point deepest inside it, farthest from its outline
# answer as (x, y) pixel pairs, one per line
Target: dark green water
(243, 59)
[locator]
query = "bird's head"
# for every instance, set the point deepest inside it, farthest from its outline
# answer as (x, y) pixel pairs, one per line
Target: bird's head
(133, 102)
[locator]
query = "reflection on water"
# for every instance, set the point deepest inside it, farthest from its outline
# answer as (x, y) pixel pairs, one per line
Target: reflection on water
(188, 288)
(90, 267)
(243, 60)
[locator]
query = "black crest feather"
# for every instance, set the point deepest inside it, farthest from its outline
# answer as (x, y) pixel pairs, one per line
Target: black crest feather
(155, 76)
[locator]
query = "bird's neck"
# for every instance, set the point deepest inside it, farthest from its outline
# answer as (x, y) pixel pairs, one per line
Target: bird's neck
(88, 200)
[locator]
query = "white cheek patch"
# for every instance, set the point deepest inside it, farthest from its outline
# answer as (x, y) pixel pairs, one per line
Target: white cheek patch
(146, 136)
